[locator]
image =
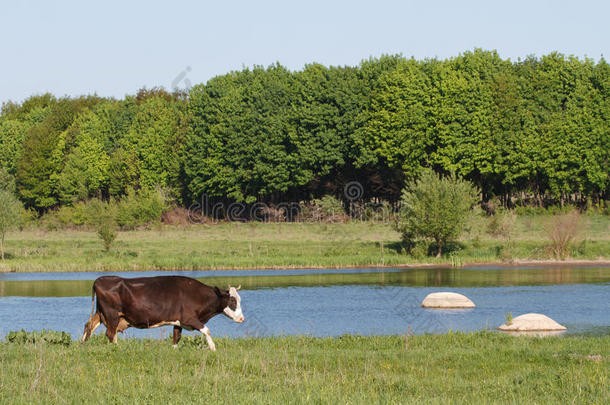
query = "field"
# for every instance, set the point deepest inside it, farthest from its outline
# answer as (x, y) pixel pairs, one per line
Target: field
(285, 245)
(451, 368)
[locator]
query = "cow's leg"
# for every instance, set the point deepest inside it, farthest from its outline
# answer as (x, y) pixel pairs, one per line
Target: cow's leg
(91, 326)
(112, 324)
(111, 333)
(205, 331)
(177, 335)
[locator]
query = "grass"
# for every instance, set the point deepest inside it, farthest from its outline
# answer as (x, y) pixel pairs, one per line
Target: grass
(451, 368)
(283, 245)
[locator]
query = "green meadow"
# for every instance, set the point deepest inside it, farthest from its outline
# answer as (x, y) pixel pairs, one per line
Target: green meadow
(255, 245)
(451, 368)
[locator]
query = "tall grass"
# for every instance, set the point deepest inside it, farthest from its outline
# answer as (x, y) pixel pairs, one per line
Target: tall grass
(452, 368)
(562, 231)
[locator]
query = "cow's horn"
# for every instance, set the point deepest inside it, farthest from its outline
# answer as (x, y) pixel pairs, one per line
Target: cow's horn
(238, 288)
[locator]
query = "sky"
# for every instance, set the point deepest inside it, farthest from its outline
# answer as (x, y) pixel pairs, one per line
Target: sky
(114, 48)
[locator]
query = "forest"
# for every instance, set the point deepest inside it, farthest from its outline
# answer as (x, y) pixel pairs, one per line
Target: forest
(532, 132)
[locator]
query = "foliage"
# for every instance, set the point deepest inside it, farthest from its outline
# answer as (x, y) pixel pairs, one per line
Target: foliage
(326, 209)
(82, 214)
(7, 181)
(435, 208)
(133, 210)
(529, 133)
(11, 215)
(107, 231)
(46, 337)
(139, 209)
(502, 224)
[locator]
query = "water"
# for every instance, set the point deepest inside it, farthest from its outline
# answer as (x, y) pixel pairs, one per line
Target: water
(336, 302)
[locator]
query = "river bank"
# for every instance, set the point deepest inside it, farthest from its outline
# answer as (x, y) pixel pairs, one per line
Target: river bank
(291, 246)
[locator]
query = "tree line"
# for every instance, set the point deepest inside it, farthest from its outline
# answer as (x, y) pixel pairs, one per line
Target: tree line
(528, 132)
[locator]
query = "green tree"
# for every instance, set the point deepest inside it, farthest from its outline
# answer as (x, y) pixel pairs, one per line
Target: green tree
(436, 208)
(85, 172)
(243, 145)
(11, 214)
(44, 152)
(7, 181)
(153, 144)
(398, 125)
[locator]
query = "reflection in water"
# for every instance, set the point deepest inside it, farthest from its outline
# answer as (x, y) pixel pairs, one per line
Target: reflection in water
(437, 277)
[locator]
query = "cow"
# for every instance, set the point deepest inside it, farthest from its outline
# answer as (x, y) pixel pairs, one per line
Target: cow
(150, 302)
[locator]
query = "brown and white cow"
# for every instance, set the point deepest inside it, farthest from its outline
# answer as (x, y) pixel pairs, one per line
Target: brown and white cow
(150, 302)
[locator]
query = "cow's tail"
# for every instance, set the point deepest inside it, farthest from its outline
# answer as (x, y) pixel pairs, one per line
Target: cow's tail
(94, 319)
(92, 301)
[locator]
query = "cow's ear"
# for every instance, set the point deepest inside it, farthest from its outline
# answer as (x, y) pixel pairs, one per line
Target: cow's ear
(217, 291)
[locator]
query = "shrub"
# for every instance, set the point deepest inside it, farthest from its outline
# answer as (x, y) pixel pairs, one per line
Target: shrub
(605, 209)
(501, 224)
(326, 209)
(561, 231)
(81, 214)
(138, 209)
(7, 181)
(107, 231)
(376, 212)
(177, 216)
(435, 208)
(45, 336)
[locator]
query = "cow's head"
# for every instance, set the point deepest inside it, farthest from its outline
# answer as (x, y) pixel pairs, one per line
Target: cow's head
(233, 310)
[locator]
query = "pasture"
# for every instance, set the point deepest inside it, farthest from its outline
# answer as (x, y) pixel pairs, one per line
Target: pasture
(450, 368)
(286, 245)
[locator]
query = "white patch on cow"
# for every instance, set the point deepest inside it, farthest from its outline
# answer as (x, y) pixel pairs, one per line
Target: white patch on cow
(165, 323)
(236, 315)
(206, 332)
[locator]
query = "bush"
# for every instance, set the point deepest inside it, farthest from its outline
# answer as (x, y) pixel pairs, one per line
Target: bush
(138, 209)
(132, 211)
(45, 336)
(501, 224)
(562, 231)
(605, 207)
(435, 208)
(326, 209)
(107, 231)
(377, 212)
(82, 214)
(177, 216)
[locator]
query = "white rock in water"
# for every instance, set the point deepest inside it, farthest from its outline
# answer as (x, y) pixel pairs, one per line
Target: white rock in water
(532, 322)
(446, 300)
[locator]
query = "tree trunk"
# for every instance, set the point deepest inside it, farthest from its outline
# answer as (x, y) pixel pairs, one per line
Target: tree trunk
(440, 249)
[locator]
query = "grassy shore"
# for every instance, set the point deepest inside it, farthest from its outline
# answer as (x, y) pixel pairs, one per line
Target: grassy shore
(452, 368)
(284, 245)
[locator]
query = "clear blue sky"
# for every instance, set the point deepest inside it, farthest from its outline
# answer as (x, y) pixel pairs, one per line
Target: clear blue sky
(114, 48)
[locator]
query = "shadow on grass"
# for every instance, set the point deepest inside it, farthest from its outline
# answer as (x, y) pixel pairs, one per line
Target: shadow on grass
(430, 249)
